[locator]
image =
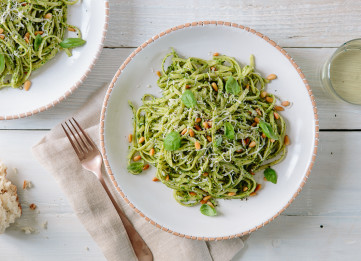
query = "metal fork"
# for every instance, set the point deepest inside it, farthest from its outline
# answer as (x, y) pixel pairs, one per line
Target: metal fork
(91, 159)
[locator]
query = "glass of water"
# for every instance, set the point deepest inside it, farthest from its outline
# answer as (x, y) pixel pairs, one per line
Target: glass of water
(341, 74)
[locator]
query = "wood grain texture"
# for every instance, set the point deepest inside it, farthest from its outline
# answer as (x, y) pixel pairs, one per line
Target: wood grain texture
(332, 114)
(304, 23)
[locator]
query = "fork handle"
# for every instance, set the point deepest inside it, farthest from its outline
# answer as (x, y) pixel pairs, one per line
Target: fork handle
(141, 249)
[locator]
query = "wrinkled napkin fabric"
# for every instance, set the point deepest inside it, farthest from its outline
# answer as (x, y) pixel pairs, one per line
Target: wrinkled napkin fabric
(95, 210)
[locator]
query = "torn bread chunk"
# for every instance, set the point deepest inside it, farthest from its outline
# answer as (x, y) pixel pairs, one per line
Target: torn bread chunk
(10, 208)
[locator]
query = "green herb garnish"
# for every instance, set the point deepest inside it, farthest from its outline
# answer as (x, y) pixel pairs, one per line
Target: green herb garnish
(207, 210)
(188, 99)
(172, 141)
(229, 130)
(72, 42)
(232, 86)
(135, 167)
(267, 130)
(270, 175)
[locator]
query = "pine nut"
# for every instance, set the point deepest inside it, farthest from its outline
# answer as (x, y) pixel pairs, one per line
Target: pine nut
(158, 73)
(130, 138)
(136, 158)
(1, 30)
(205, 125)
(263, 94)
(285, 103)
(209, 138)
(215, 54)
(198, 120)
(197, 127)
(27, 85)
(269, 99)
(279, 108)
(214, 86)
(271, 76)
(210, 204)
(192, 193)
(247, 86)
(197, 145)
(167, 178)
(151, 152)
(252, 173)
(205, 174)
(264, 178)
(2, 36)
(264, 135)
(187, 86)
(272, 140)
(155, 179)
(32, 206)
(184, 131)
(258, 187)
(26, 37)
(287, 140)
(277, 116)
(239, 151)
(259, 112)
(256, 119)
(245, 189)
(203, 202)
(146, 166)
(191, 133)
(48, 16)
(253, 194)
(71, 29)
(231, 194)
(213, 69)
(252, 144)
(141, 140)
(209, 124)
(246, 141)
(206, 198)
(38, 32)
(254, 124)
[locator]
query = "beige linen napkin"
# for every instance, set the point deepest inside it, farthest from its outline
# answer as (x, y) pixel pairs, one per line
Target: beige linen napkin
(96, 212)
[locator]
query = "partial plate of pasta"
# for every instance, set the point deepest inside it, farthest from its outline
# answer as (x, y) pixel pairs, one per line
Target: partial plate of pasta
(47, 49)
(208, 118)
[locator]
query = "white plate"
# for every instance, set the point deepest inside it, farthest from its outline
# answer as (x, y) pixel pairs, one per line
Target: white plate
(62, 75)
(153, 199)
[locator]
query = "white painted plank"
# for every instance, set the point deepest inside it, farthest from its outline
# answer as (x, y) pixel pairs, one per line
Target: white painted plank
(65, 238)
(304, 23)
(331, 197)
(309, 59)
(301, 238)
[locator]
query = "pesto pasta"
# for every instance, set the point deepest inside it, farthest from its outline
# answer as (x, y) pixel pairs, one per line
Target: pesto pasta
(32, 33)
(213, 128)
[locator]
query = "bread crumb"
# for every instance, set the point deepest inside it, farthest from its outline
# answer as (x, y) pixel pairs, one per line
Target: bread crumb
(32, 206)
(45, 225)
(27, 184)
(28, 230)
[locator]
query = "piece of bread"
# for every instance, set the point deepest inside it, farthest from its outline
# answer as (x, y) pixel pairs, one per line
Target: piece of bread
(10, 208)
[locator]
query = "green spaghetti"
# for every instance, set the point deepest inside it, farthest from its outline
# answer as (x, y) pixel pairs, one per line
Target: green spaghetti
(212, 129)
(31, 33)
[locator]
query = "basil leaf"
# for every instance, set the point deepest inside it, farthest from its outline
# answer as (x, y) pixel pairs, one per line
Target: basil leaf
(270, 175)
(219, 141)
(135, 167)
(229, 130)
(267, 130)
(37, 42)
(232, 86)
(188, 99)
(172, 141)
(72, 42)
(207, 210)
(2, 63)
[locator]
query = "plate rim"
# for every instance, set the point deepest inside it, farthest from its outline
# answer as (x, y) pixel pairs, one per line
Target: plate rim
(76, 85)
(151, 40)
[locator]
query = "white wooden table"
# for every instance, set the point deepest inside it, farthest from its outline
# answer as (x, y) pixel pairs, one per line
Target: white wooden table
(324, 222)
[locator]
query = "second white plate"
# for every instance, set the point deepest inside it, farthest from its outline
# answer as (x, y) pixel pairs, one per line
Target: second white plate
(155, 201)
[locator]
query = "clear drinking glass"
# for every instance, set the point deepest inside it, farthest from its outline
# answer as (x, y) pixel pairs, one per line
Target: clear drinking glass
(341, 74)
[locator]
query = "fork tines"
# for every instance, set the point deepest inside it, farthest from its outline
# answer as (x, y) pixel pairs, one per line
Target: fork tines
(79, 139)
